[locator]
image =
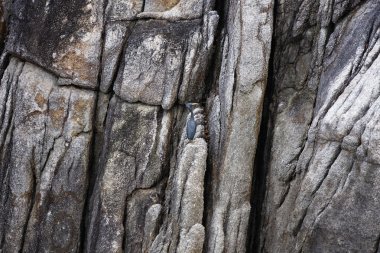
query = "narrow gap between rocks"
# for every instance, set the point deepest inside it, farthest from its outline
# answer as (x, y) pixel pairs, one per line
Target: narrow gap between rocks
(211, 81)
(262, 157)
(91, 170)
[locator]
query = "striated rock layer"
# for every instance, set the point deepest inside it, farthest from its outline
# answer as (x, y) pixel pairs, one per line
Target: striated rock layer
(94, 154)
(322, 180)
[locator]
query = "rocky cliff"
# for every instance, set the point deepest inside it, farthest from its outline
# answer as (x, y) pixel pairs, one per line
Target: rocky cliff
(94, 151)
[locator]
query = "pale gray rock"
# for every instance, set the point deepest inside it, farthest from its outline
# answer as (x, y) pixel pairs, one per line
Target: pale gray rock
(242, 84)
(166, 61)
(132, 161)
(142, 224)
(94, 155)
(144, 76)
(182, 229)
(116, 34)
(321, 193)
(175, 10)
(124, 9)
(197, 58)
(152, 224)
(46, 136)
(192, 242)
(128, 196)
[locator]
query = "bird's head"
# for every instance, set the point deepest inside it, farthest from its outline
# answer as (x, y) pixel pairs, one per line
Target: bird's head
(189, 106)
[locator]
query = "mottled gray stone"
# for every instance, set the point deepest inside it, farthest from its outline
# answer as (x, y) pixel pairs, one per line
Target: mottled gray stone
(242, 83)
(116, 34)
(176, 10)
(182, 229)
(132, 159)
(192, 242)
(197, 59)
(124, 9)
(47, 143)
(152, 224)
(64, 37)
(159, 5)
(164, 61)
(322, 182)
(142, 224)
(104, 164)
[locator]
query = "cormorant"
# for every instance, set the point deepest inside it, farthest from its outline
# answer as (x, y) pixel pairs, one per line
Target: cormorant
(191, 124)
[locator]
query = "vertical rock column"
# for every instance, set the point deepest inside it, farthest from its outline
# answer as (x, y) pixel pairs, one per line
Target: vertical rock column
(46, 128)
(143, 195)
(235, 116)
(182, 229)
(45, 139)
(323, 173)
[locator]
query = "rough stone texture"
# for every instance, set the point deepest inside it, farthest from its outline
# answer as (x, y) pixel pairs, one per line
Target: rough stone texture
(116, 33)
(3, 28)
(159, 5)
(102, 164)
(165, 62)
(124, 9)
(174, 10)
(151, 227)
(322, 181)
(238, 105)
(45, 143)
(143, 188)
(182, 230)
(64, 37)
(132, 161)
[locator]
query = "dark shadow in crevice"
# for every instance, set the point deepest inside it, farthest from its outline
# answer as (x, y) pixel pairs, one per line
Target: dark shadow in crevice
(93, 172)
(212, 84)
(262, 158)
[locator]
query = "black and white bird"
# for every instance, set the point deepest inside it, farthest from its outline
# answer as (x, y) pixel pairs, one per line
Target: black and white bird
(191, 126)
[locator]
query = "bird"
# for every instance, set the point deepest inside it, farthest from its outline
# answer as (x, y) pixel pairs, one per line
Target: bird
(191, 126)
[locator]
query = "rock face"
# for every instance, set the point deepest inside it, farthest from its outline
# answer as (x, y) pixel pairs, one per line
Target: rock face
(62, 37)
(46, 136)
(94, 155)
(322, 181)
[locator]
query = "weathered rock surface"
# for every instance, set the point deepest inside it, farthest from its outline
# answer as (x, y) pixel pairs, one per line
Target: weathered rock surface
(182, 230)
(46, 135)
(116, 34)
(322, 181)
(132, 163)
(124, 9)
(166, 62)
(237, 105)
(174, 10)
(63, 37)
(94, 155)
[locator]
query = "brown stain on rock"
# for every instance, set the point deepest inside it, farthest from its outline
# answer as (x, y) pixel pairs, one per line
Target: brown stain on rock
(169, 3)
(160, 5)
(40, 100)
(58, 114)
(44, 33)
(79, 108)
(75, 62)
